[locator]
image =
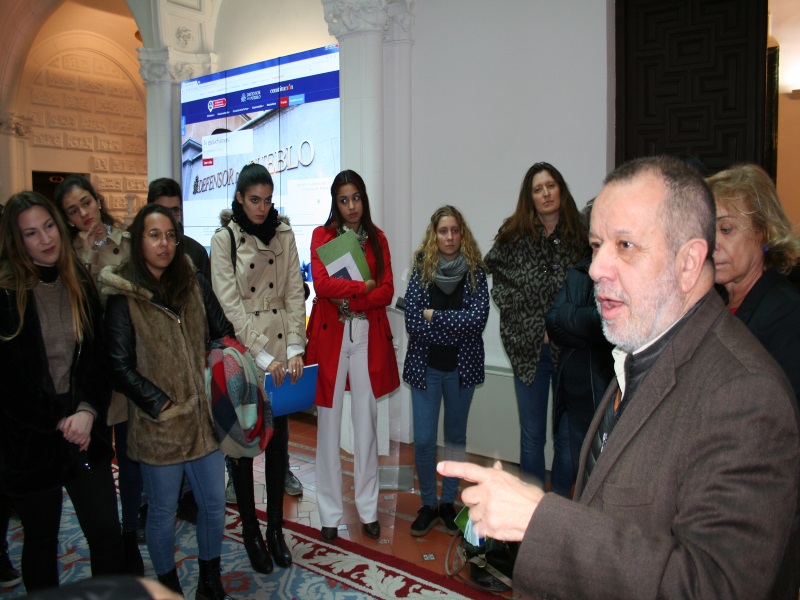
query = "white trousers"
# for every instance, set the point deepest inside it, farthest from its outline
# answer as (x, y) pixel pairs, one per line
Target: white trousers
(353, 362)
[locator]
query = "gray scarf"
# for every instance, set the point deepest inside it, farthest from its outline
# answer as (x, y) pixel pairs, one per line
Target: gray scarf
(449, 274)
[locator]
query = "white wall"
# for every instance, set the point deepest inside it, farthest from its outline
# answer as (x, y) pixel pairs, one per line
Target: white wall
(250, 31)
(496, 87)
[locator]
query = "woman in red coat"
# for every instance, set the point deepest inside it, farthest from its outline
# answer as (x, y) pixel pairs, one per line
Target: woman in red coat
(349, 336)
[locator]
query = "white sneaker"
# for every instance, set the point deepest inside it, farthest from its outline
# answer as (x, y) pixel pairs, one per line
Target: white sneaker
(230, 493)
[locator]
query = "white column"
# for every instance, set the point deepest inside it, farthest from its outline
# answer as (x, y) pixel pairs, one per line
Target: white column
(162, 71)
(397, 185)
(359, 27)
(15, 172)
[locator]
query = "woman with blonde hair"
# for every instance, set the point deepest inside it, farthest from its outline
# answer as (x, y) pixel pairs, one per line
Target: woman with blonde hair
(754, 250)
(56, 389)
(446, 308)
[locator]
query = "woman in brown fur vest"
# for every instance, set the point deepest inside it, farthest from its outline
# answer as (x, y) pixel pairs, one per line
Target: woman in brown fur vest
(159, 316)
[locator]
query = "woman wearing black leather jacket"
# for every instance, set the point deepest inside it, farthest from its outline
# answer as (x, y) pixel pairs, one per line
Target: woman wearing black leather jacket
(160, 315)
(56, 392)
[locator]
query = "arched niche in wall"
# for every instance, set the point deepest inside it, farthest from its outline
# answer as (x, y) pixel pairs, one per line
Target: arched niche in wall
(87, 103)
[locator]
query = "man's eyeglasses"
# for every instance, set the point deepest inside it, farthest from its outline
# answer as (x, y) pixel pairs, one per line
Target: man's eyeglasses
(175, 210)
(155, 237)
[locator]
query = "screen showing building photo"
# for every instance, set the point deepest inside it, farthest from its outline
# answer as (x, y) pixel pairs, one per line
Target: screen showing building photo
(282, 113)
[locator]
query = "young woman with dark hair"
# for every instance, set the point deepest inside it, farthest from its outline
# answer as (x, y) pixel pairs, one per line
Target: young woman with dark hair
(447, 305)
(159, 316)
(56, 393)
(350, 338)
(263, 297)
(99, 243)
(95, 236)
(533, 250)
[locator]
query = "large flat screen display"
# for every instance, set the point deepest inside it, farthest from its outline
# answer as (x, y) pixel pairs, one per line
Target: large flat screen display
(282, 113)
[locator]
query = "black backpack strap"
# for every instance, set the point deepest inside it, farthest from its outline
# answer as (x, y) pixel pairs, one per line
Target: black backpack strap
(233, 248)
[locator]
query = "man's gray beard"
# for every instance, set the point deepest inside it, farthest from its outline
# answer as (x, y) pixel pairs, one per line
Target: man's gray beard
(663, 308)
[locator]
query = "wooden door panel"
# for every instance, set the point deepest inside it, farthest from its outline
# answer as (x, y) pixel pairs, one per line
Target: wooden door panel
(691, 79)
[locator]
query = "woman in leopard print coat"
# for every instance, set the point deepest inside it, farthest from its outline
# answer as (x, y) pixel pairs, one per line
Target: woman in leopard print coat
(533, 250)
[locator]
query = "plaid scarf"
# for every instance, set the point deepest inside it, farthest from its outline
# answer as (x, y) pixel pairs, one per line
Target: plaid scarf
(239, 406)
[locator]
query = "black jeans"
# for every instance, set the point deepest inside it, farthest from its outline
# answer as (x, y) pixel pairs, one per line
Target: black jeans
(274, 474)
(95, 501)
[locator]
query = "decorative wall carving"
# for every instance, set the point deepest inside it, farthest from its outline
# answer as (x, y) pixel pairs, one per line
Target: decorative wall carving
(126, 127)
(401, 20)
(109, 144)
(183, 35)
(74, 102)
(78, 142)
(47, 140)
(173, 66)
(136, 184)
(107, 69)
(10, 125)
(87, 96)
(117, 202)
(119, 88)
(94, 85)
(108, 106)
(46, 97)
(135, 146)
(351, 16)
(109, 183)
(123, 166)
(61, 80)
(62, 120)
(93, 124)
(73, 62)
(100, 164)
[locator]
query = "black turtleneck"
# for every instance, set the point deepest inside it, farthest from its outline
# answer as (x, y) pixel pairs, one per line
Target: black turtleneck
(264, 232)
(48, 274)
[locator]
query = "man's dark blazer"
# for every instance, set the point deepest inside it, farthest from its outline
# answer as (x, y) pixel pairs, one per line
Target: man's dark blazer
(696, 492)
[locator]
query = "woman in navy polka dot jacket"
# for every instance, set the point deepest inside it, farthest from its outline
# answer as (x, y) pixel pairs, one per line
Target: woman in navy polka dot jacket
(446, 307)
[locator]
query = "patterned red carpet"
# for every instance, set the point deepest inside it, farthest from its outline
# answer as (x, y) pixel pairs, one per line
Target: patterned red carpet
(341, 571)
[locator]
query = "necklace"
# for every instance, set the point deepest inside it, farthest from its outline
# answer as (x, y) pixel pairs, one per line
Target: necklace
(51, 284)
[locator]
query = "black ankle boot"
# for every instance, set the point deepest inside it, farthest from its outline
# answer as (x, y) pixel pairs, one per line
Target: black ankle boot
(133, 558)
(171, 581)
(210, 585)
(277, 547)
(256, 550)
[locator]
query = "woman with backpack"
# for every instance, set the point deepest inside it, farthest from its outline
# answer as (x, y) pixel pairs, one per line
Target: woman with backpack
(255, 270)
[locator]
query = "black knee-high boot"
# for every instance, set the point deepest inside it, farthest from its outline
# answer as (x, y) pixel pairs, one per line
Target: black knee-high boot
(275, 477)
(242, 473)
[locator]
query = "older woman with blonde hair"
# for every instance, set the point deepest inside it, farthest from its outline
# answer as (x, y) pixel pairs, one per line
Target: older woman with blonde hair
(755, 247)
(447, 305)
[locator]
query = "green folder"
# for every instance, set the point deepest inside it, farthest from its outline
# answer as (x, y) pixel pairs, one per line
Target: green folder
(344, 258)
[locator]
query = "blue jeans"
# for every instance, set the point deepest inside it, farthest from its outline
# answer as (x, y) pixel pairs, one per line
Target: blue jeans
(563, 472)
(532, 406)
(426, 404)
(163, 484)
